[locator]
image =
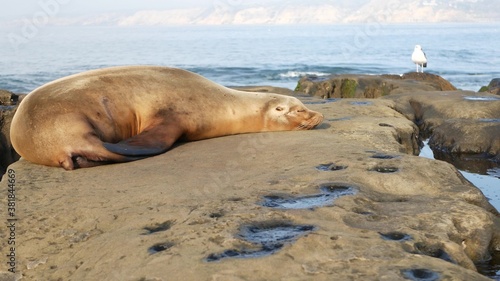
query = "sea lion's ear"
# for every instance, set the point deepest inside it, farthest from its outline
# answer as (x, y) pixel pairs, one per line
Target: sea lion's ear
(279, 108)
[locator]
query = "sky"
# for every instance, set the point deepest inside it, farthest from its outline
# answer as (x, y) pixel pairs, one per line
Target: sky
(27, 8)
(19, 10)
(12, 9)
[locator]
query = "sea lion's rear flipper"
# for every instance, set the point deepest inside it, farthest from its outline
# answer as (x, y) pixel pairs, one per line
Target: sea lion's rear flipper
(148, 143)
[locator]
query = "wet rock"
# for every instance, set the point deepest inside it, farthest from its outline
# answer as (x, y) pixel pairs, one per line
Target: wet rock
(492, 88)
(5, 97)
(462, 124)
(370, 86)
(7, 153)
(8, 104)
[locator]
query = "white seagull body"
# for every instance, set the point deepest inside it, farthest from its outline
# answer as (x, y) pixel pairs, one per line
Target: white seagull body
(419, 58)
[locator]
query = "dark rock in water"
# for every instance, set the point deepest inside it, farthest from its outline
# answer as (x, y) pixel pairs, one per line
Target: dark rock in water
(493, 87)
(371, 86)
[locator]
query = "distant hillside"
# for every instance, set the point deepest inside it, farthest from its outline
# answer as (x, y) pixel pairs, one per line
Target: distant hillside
(312, 12)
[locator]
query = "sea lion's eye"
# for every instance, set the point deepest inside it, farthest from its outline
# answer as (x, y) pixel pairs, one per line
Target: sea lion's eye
(279, 108)
(301, 110)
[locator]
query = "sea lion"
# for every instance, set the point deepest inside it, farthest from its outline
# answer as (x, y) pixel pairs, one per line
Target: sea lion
(122, 114)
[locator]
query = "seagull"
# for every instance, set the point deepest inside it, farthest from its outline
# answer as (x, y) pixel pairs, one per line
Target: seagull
(419, 58)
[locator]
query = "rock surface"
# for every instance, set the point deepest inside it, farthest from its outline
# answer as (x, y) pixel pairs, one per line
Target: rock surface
(370, 86)
(460, 123)
(8, 155)
(493, 87)
(399, 216)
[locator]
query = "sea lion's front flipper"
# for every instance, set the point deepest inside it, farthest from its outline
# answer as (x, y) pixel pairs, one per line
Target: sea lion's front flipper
(123, 148)
(150, 142)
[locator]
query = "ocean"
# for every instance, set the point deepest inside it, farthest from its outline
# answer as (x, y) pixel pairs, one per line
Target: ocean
(276, 55)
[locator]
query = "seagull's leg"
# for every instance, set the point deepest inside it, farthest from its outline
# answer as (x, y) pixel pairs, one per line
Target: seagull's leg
(422, 67)
(417, 66)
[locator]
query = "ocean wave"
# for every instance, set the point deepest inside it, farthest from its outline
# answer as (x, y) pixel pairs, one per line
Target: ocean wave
(297, 74)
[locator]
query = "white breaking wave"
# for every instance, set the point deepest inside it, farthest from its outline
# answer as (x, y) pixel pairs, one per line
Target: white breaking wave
(296, 74)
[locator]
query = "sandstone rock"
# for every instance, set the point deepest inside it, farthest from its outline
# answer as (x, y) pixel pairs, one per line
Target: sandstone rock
(493, 87)
(5, 97)
(161, 218)
(7, 153)
(8, 98)
(8, 102)
(370, 86)
(459, 122)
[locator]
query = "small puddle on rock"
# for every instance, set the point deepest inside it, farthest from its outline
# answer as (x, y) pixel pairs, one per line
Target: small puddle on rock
(385, 170)
(330, 167)
(482, 98)
(383, 156)
(324, 101)
(361, 103)
(385, 125)
(160, 247)
(395, 236)
(330, 192)
(269, 237)
(420, 274)
(488, 120)
(159, 227)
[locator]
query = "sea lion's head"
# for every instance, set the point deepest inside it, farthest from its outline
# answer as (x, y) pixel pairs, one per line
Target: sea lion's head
(289, 113)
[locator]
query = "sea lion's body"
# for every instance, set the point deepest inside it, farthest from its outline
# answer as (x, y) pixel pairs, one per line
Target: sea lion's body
(122, 114)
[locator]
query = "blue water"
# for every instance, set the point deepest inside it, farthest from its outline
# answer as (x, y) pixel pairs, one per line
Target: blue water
(464, 54)
(488, 182)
